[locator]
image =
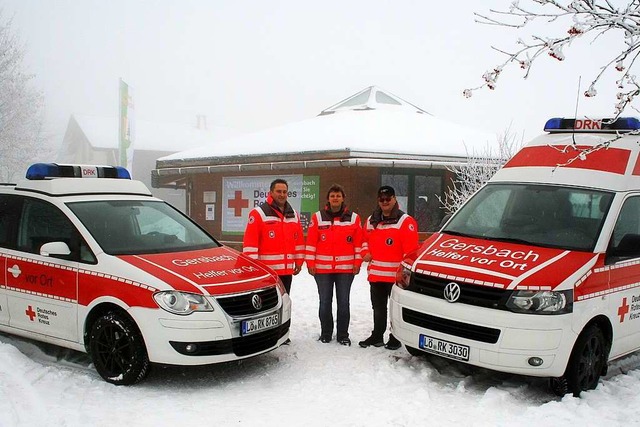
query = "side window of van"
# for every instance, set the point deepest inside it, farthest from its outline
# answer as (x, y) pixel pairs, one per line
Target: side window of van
(625, 242)
(42, 222)
(10, 207)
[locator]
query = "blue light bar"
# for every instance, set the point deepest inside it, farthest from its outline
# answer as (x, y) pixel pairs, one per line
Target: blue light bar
(53, 170)
(621, 124)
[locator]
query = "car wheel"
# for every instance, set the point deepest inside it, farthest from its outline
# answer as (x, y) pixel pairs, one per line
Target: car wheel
(117, 349)
(415, 352)
(587, 363)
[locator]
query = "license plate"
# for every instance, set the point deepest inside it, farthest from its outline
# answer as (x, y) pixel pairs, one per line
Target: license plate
(444, 348)
(252, 326)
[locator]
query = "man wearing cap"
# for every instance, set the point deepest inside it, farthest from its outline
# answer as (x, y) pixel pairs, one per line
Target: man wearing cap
(389, 235)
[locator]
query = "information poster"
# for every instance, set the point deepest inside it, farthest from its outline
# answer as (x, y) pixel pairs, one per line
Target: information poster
(241, 194)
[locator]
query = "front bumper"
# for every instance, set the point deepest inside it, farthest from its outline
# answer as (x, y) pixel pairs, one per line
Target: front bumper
(497, 339)
(208, 337)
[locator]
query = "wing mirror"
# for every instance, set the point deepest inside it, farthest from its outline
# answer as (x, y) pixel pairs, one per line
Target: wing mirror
(53, 249)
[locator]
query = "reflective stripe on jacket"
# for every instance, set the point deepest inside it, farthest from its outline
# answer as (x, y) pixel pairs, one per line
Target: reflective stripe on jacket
(274, 237)
(388, 242)
(334, 243)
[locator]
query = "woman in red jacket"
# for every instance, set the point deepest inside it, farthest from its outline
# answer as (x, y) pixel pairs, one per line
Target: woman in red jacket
(333, 257)
(389, 235)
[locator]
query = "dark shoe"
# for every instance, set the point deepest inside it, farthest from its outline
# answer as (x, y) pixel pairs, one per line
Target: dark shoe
(374, 341)
(325, 339)
(393, 343)
(345, 341)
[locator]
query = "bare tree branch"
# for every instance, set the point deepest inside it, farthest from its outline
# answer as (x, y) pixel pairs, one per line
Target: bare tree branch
(480, 167)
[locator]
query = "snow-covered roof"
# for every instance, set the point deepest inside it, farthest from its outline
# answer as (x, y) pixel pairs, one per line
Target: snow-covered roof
(370, 121)
(102, 132)
(373, 98)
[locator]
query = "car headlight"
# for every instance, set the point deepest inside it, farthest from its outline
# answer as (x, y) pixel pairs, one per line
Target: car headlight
(403, 277)
(541, 302)
(280, 286)
(182, 302)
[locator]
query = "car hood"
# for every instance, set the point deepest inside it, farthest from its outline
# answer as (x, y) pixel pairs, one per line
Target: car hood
(216, 271)
(498, 264)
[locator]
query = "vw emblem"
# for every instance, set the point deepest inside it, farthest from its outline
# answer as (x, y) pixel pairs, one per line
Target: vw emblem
(452, 292)
(256, 301)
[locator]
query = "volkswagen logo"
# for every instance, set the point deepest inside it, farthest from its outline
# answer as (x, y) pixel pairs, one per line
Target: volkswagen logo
(452, 292)
(256, 301)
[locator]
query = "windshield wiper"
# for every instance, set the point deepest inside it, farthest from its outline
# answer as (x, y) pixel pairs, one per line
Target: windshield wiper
(457, 233)
(511, 240)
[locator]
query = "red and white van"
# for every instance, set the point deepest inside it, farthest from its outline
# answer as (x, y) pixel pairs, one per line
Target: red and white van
(539, 272)
(101, 266)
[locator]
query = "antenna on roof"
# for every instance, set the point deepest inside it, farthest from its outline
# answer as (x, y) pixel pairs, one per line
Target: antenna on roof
(575, 114)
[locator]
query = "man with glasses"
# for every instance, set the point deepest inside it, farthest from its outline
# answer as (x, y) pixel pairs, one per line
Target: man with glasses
(389, 235)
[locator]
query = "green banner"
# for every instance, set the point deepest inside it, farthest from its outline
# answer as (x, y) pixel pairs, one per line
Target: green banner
(126, 127)
(310, 199)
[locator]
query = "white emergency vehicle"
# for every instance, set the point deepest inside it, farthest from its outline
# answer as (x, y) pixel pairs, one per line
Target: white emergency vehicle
(101, 266)
(539, 272)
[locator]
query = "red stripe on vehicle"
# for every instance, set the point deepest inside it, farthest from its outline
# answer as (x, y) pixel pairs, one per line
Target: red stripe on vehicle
(636, 168)
(612, 160)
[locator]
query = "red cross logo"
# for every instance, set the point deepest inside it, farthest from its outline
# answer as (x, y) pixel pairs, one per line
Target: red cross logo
(623, 309)
(29, 312)
(238, 203)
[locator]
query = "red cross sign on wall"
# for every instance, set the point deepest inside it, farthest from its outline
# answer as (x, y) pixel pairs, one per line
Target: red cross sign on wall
(238, 203)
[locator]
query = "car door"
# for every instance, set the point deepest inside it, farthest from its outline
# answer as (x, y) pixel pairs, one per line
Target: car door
(42, 292)
(623, 261)
(10, 208)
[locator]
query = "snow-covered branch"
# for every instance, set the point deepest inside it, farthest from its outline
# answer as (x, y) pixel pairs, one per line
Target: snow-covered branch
(568, 22)
(21, 108)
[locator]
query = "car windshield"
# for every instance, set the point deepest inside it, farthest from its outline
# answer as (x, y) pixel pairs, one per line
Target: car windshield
(542, 215)
(127, 227)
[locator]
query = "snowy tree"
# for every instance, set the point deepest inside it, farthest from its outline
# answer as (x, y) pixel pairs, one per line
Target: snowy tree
(477, 170)
(566, 23)
(21, 108)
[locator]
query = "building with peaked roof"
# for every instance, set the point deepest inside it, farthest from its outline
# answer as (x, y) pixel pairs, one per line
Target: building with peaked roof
(367, 140)
(94, 140)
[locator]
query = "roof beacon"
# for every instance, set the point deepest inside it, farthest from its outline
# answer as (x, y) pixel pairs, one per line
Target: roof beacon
(54, 170)
(621, 124)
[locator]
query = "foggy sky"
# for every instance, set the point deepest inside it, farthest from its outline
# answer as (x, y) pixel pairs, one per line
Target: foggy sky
(256, 64)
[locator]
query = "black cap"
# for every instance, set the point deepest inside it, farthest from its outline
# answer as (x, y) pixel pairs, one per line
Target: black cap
(386, 190)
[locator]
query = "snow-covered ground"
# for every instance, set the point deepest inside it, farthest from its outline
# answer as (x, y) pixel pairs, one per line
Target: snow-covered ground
(306, 383)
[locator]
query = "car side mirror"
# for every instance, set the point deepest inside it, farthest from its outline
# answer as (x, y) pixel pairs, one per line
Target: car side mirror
(629, 247)
(55, 249)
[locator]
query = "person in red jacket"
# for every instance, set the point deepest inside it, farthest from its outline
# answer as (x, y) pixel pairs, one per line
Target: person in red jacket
(274, 234)
(389, 235)
(333, 256)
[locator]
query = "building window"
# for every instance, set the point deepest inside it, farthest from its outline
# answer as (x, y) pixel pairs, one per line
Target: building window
(417, 193)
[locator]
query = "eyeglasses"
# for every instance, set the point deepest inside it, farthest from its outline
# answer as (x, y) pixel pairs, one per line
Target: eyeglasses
(384, 199)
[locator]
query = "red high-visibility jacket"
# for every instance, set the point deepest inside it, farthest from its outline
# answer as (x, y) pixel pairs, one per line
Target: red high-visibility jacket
(334, 242)
(274, 237)
(388, 240)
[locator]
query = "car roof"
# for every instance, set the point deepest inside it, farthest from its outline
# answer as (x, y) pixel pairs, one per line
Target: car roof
(82, 186)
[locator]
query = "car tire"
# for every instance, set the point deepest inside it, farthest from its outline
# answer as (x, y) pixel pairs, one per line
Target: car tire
(117, 349)
(588, 362)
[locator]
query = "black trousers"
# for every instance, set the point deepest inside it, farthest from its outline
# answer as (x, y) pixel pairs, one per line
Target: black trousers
(286, 281)
(380, 293)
